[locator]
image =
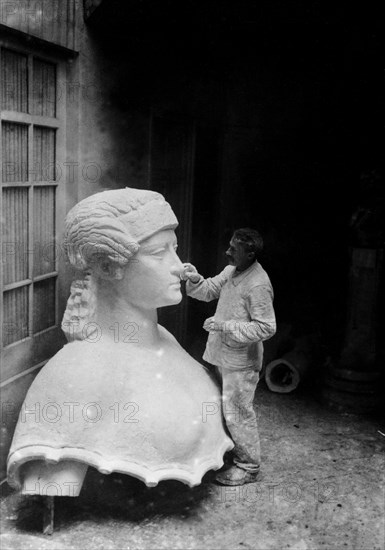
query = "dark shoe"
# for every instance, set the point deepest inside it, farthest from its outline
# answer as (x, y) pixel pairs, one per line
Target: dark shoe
(236, 476)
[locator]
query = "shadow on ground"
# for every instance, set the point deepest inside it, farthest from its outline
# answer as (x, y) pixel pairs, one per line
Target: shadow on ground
(118, 497)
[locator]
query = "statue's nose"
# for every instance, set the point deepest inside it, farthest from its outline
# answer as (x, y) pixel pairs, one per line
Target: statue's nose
(177, 266)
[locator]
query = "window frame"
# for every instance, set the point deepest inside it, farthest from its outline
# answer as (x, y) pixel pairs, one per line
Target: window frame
(35, 348)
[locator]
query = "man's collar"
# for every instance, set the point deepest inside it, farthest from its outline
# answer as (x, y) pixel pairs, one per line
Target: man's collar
(238, 276)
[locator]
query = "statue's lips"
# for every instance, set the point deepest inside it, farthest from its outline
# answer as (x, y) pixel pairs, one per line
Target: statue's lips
(177, 283)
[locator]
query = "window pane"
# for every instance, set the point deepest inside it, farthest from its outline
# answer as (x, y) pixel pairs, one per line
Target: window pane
(14, 81)
(15, 315)
(44, 88)
(44, 154)
(15, 152)
(44, 230)
(43, 304)
(15, 230)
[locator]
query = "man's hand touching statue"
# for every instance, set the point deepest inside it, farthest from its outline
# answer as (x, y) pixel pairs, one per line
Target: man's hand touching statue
(190, 273)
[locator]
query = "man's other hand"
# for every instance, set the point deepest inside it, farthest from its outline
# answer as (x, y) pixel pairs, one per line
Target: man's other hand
(211, 325)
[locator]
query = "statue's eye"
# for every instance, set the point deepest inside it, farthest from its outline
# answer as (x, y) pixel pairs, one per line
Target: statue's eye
(158, 252)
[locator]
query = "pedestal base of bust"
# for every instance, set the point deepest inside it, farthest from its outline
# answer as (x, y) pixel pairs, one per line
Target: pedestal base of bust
(61, 479)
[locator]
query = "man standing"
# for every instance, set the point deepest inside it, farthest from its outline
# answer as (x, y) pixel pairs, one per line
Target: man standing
(244, 318)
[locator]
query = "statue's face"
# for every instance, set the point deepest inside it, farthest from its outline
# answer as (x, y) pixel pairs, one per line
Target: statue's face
(152, 277)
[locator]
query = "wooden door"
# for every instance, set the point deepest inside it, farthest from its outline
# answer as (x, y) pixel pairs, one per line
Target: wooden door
(171, 173)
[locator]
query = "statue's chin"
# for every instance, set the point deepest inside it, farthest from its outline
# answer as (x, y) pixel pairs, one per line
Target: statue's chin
(176, 298)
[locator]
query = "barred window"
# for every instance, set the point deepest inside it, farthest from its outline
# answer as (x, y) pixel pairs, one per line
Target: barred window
(28, 171)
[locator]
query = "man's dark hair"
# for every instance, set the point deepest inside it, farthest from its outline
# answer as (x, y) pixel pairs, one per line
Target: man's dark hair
(250, 239)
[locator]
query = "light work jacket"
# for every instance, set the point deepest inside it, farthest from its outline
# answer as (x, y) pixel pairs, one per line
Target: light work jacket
(244, 311)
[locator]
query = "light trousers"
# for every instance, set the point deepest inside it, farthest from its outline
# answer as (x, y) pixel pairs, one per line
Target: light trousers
(238, 390)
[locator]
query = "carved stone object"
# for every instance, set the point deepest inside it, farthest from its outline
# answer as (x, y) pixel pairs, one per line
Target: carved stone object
(122, 395)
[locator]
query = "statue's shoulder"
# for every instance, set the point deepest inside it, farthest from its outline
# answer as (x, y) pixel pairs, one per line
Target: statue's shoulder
(166, 335)
(80, 353)
(175, 351)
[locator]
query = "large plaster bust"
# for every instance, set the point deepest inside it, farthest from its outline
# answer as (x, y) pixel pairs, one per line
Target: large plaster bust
(122, 395)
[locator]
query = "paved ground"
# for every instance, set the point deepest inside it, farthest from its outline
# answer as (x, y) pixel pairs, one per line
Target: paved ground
(322, 488)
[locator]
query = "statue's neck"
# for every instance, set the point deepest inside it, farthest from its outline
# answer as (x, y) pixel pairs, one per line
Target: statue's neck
(123, 322)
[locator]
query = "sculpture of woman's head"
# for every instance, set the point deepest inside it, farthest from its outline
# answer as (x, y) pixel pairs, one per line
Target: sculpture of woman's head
(125, 239)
